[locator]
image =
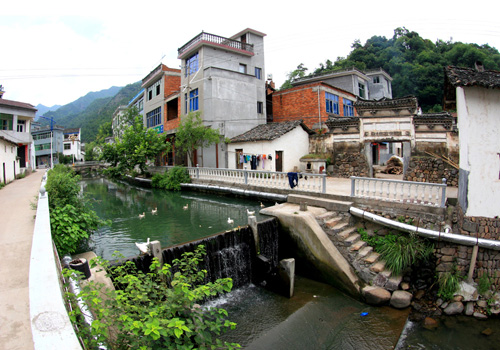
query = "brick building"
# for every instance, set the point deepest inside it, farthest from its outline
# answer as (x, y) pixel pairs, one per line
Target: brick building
(312, 103)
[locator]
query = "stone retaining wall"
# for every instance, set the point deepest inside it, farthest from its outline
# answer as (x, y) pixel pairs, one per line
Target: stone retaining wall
(433, 170)
(346, 165)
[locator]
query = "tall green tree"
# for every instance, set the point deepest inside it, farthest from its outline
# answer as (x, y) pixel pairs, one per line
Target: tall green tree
(192, 134)
(137, 145)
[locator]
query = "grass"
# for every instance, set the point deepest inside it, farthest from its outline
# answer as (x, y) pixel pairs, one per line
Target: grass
(448, 284)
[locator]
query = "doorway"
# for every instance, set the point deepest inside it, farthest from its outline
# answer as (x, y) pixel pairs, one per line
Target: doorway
(278, 161)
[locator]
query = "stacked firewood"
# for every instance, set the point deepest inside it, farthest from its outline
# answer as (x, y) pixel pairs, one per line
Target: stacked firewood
(394, 166)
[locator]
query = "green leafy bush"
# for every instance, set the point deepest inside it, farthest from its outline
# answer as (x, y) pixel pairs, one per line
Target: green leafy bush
(171, 179)
(155, 310)
(71, 218)
(484, 284)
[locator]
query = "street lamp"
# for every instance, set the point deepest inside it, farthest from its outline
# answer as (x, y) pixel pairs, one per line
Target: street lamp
(51, 138)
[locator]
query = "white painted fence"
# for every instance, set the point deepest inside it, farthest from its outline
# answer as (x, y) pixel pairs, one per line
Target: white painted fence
(399, 191)
(306, 182)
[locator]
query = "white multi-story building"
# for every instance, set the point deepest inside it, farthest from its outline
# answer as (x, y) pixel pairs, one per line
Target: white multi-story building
(224, 80)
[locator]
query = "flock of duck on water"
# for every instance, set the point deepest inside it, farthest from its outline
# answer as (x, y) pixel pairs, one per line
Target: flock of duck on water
(145, 247)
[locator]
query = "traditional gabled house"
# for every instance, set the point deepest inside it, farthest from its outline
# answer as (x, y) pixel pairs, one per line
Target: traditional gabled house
(15, 124)
(223, 80)
(272, 147)
(475, 94)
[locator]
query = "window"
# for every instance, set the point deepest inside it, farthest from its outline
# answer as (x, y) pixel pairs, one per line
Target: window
(258, 73)
(6, 124)
(154, 90)
(243, 68)
(153, 118)
(193, 100)
(376, 80)
(361, 90)
(348, 108)
(332, 103)
(260, 107)
(191, 64)
(21, 125)
(67, 146)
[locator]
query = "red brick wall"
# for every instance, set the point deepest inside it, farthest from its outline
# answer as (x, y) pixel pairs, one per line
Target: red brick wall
(301, 102)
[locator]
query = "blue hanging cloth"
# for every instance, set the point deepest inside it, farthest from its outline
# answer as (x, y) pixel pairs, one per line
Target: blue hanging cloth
(293, 179)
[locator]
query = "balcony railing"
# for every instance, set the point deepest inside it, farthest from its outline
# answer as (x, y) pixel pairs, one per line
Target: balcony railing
(215, 39)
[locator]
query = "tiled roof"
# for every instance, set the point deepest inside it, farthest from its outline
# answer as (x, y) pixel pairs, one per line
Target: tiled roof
(270, 131)
(402, 102)
(4, 102)
(459, 76)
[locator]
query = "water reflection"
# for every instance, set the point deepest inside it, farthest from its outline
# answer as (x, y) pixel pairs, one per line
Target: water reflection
(206, 214)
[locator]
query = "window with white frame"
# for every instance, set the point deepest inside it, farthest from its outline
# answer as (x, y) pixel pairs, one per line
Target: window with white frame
(21, 125)
(361, 88)
(67, 146)
(193, 100)
(192, 64)
(348, 108)
(243, 68)
(153, 118)
(154, 90)
(376, 80)
(332, 103)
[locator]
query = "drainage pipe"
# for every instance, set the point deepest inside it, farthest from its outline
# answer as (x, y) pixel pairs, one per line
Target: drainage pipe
(435, 235)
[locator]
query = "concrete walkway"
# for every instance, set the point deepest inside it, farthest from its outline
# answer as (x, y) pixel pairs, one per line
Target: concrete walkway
(17, 219)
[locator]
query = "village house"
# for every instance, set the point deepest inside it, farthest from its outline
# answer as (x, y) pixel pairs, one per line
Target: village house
(223, 79)
(72, 144)
(48, 144)
(272, 147)
(15, 123)
(475, 94)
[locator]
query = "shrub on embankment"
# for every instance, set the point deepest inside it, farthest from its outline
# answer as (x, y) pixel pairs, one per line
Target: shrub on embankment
(171, 179)
(71, 218)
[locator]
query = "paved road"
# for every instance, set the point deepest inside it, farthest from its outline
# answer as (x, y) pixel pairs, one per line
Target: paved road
(17, 219)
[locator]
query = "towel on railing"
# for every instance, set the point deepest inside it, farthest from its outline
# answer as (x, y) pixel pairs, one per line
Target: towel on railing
(293, 179)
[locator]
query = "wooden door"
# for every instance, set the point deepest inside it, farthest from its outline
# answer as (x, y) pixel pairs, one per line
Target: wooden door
(278, 159)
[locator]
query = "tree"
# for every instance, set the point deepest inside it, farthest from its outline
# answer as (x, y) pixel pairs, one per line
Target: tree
(138, 144)
(298, 73)
(192, 134)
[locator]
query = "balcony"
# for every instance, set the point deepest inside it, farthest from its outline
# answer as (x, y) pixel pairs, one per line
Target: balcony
(215, 40)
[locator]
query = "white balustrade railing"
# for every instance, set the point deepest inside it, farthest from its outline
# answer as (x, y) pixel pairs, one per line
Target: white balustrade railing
(306, 182)
(399, 191)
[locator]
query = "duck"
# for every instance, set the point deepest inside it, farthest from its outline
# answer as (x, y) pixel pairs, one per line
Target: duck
(230, 221)
(143, 247)
(262, 205)
(250, 212)
(142, 216)
(154, 211)
(186, 207)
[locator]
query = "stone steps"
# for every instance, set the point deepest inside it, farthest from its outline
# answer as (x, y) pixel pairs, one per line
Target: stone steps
(367, 263)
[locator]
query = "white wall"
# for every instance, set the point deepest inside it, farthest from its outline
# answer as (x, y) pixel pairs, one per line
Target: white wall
(8, 154)
(479, 127)
(294, 145)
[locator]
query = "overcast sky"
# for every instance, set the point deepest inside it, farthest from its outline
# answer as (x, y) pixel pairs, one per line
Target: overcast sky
(53, 52)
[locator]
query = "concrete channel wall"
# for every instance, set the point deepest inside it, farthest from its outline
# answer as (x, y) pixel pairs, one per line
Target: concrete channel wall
(50, 324)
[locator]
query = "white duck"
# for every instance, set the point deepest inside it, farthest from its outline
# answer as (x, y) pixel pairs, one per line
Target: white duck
(250, 212)
(142, 216)
(230, 221)
(262, 205)
(154, 211)
(143, 247)
(186, 207)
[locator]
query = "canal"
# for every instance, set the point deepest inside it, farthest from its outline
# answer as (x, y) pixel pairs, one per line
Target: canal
(317, 317)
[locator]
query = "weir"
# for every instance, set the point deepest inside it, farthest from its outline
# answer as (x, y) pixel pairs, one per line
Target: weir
(230, 254)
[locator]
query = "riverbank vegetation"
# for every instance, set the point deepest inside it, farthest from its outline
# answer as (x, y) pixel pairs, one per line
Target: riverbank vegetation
(155, 310)
(72, 220)
(171, 179)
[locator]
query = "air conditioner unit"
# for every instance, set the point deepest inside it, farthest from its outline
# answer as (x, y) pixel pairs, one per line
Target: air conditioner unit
(269, 77)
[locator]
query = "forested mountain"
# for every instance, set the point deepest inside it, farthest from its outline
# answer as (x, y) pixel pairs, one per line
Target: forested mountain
(93, 109)
(415, 64)
(41, 109)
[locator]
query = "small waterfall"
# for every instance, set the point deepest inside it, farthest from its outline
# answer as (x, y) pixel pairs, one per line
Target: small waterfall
(229, 254)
